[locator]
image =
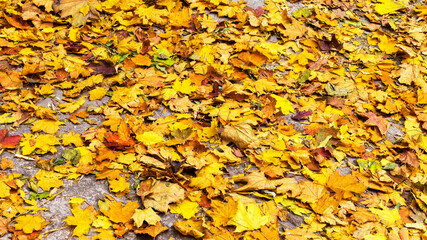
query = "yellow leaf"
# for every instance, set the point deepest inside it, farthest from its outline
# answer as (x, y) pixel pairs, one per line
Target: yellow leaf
(185, 86)
(102, 222)
(29, 223)
(45, 89)
(82, 219)
(148, 215)
(48, 180)
(41, 144)
(4, 190)
(119, 186)
(149, 138)
(389, 217)
(7, 118)
(118, 213)
(186, 208)
(242, 135)
(248, 217)
(161, 194)
(141, 60)
(284, 104)
(47, 126)
(76, 201)
(387, 6)
(97, 93)
(72, 138)
(72, 106)
(190, 227)
(388, 45)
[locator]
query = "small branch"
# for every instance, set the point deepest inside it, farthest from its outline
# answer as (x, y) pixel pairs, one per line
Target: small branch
(24, 157)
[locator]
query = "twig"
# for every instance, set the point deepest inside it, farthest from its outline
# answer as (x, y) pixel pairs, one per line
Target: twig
(24, 157)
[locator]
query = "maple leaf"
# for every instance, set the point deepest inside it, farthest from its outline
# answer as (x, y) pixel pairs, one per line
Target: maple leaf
(160, 194)
(190, 227)
(47, 4)
(47, 126)
(147, 215)
(4, 223)
(221, 212)
(82, 219)
(119, 186)
(72, 106)
(347, 183)
(42, 144)
(79, 10)
(29, 223)
(241, 134)
(153, 230)
(118, 213)
(186, 208)
(10, 80)
(409, 158)
(283, 104)
(4, 190)
(248, 217)
(8, 141)
(378, 121)
(387, 6)
(257, 181)
(48, 180)
(149, 138)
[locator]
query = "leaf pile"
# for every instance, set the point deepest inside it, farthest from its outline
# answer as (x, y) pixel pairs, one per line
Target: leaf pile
(240, 120)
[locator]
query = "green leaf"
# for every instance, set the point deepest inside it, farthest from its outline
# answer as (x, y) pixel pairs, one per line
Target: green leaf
(73, 155)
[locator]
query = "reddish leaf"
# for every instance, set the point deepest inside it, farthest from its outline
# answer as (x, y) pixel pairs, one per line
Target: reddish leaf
(114, 140)
(377, 121)
(10, 141)
(302, 115)
(103, 68)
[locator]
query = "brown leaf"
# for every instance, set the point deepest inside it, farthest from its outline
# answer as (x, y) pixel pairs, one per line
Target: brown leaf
(409, 158)
(161, 194)
(378, 121)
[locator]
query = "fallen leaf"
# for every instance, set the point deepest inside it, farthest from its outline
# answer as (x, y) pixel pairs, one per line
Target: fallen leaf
(29, 223)
(148, 215)
(241, 134)
(8, 141)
